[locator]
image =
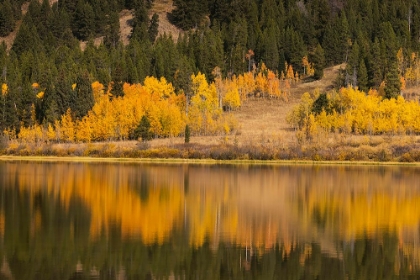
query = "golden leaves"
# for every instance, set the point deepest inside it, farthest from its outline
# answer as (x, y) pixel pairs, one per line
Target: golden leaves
(4, 89)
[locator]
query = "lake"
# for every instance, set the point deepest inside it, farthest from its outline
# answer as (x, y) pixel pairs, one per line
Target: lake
(196, 221)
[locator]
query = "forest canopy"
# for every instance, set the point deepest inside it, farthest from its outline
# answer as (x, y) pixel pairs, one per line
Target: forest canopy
(46, 73)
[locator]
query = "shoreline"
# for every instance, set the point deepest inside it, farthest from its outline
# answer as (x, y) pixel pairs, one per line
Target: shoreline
(76, 159)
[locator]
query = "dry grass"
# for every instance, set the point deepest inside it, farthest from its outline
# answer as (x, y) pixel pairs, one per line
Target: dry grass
(126, 17)
(163, 8)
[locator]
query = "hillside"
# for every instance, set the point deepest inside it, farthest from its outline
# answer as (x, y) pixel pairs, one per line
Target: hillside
(262, 120)
(44, 73)
(160, 7)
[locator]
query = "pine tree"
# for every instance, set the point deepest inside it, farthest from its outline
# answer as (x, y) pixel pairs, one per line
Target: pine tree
(319, 62)
(392, 81)
(143, 129)
(84, 96)
(83, 23)
(187, 134)
(7, 22)
(153, 27)
(375, 71)
(362, 76)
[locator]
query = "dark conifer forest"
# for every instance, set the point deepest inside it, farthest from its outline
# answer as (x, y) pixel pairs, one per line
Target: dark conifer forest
(377, 39)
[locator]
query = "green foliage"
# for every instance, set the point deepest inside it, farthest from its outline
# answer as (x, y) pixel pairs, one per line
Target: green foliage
(187, 134)
(153, 27)
(143, 129)
(84, 96)
(392, 82)
(321, 104)
(319, 62)
(7, 21)
(4, 142)
(188, 13)
(365, 36)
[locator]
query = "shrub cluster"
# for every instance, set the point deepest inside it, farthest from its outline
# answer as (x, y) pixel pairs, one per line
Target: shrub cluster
(342, 150)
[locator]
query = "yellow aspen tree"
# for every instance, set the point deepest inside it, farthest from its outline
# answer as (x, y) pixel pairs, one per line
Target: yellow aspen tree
(160, 87)
(51, 134)
(311, 129)
(97, 89)
(39, 133)
(204, 103)
(25, 135)
(171, 120)
(323, 121)
(271, 85)
(290, 73)
(154, 115)
(261, 84)
(246, 85)
(67, 127)
(58, 132)
(232, 99)
(308, 69)
(84, 130)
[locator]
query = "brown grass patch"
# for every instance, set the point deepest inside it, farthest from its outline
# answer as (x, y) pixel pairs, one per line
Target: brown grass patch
(163, 8)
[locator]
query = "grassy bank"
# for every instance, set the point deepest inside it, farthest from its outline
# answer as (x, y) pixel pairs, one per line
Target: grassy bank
(335, 148)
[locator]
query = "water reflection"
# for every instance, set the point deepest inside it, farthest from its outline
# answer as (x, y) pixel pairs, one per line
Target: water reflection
(137, 221)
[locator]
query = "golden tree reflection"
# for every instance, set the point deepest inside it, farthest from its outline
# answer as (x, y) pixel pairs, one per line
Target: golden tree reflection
(253, 207)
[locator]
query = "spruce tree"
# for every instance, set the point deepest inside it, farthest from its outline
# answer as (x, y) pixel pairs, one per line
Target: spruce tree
(187, 134)
(84, 96)
(319, 62)
(375, 70)
(153, 27)
(143, 129)
(362, 76)
(83, 21)
(392, 81)
(7, 22)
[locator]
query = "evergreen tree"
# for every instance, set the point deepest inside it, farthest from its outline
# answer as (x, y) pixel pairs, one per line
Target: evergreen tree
(112, 30)
(319, 62)
(187, 134)
(7, 21)
(143, 129)
(362, 76)
(83, 96)
(188, 13)
(392, 81)
(153, 27)
(269, 48)
(119, 76)
(375, 70)
(83, 22)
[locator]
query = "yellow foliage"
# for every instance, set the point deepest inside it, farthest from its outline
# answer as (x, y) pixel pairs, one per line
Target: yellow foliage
(361, 114)
(4, 89)
(160, 87)
(67, 127)
(40, 95)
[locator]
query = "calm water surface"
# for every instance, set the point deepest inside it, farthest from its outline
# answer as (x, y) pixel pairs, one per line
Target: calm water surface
(161, 221)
